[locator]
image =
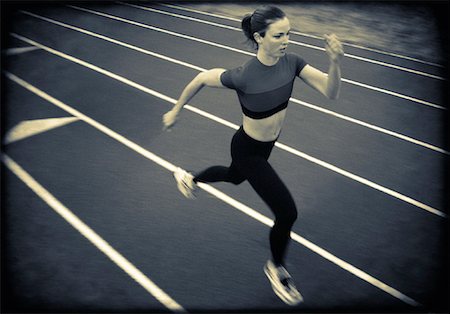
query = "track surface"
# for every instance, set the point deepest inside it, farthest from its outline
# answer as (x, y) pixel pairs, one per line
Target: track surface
(374, 201)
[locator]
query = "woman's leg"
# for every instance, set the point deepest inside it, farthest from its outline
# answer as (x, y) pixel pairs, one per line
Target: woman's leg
(266, 182)
(220, 174)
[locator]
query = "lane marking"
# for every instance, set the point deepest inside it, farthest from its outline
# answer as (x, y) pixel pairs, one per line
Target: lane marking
(285, 147)
(362, 180)
(200, 12)
(19, 50)
(423, 102)
(220, 195)
(305, 35)
(33, 127)
(389, 65)
(385, 91)
(92, 236)
(372, 127)
(161, 30)
(189, 65)
(117, 42)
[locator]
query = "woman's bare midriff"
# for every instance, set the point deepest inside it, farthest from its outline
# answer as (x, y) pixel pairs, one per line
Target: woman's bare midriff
(264, 130)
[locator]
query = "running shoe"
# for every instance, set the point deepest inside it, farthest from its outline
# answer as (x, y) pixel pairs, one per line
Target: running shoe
(282, 284)
(185, 182)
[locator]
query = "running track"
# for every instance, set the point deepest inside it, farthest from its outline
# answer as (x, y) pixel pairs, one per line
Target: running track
(93, 217)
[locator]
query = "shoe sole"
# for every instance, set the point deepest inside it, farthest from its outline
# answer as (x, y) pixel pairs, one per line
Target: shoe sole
(279, 292)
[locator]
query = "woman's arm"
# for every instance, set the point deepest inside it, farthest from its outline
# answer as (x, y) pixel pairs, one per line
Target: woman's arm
(327, 84)
(210, 78)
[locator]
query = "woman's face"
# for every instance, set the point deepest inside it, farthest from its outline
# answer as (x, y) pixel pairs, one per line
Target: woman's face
(276, 40)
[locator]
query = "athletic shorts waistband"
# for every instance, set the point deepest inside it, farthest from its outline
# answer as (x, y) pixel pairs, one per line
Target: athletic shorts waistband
(241, 130)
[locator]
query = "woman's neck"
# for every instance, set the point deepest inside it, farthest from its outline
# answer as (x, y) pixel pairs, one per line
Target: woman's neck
(266, 59)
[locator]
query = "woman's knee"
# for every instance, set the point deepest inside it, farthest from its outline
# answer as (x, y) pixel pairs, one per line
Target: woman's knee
(234, 175)
(237, 180)
(287, 215)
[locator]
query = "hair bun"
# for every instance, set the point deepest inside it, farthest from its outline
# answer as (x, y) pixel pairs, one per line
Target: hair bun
(247, 26)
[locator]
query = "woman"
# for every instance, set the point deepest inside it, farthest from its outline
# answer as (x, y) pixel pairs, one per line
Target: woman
(264, 85)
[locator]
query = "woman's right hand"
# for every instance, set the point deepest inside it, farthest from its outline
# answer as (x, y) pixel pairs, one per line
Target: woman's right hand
(170, 118)
(334, 48)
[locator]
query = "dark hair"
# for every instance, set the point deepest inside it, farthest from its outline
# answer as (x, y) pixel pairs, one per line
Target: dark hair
(259, 21)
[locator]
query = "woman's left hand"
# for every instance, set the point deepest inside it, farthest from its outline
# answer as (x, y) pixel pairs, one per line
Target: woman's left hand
(334, 48)
(169, 119)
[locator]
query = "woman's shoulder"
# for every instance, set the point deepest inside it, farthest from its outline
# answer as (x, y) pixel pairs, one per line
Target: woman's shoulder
(295, 61)
(293, 56)
(242, 72)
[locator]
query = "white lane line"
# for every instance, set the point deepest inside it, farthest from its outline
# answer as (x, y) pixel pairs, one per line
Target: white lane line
(285, 147)
(161, 30)
(19, 50)
(200, 12)
(220, 195)
(372, 127)
(385, 91)
(28, 128)
(184, 17)
(362, 180)
(109, 39)
(306, 35)
(189, 65)
(246, 53)
(91, 235)
(397, 67)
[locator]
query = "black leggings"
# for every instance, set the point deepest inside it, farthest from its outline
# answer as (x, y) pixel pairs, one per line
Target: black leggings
(249, 162)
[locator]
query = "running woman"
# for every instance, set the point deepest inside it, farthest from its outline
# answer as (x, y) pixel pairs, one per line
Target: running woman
(263, 85)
